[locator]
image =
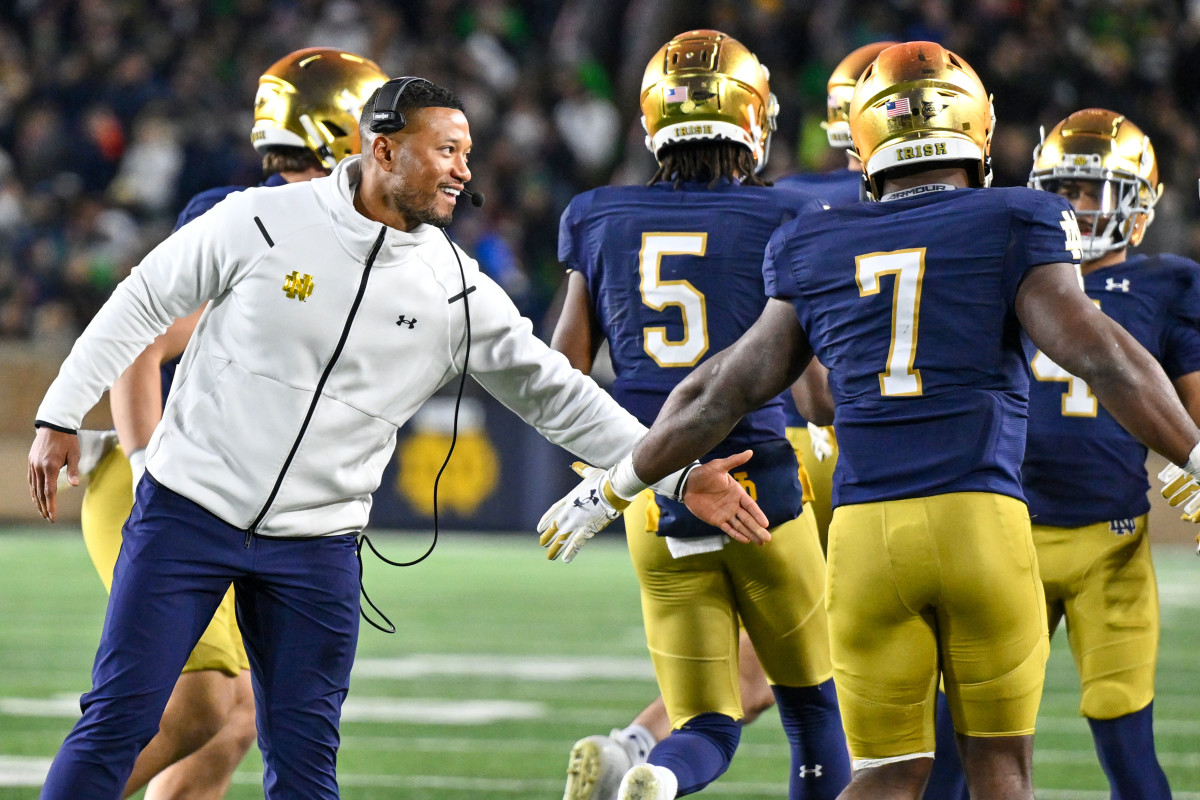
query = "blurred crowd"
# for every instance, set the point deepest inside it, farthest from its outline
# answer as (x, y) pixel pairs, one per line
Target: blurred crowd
(114, 112)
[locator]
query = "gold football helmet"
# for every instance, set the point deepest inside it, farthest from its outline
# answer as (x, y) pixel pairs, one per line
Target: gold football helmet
(919, 103)
(841, 89)
(312, 98)
(1103, 147)
(705, 84)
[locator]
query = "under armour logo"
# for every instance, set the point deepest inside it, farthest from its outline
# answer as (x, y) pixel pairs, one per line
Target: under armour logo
(1111, 285)
(581, 502)
(298, 286)
(1122, 527)
(805, 771)
(411, 323)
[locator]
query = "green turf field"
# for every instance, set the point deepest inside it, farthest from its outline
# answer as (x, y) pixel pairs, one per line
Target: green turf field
(501, 661)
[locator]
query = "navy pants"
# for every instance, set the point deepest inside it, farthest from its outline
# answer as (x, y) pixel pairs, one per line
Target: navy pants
(297, 605)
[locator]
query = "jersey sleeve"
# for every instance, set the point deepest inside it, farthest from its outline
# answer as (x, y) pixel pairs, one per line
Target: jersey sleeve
(778, 276)
(1053, 232)
(202, 202)
(1181, 335)
(572, 252)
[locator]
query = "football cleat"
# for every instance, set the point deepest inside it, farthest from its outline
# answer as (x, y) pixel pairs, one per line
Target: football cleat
(648, 782)
(1105, 148)
(705, 85)
(595, 768)
(840, 89)
(312, 98)
(918, 103)
(93, 447)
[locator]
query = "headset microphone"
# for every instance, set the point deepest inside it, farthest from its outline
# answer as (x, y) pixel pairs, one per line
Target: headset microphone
(477, 198)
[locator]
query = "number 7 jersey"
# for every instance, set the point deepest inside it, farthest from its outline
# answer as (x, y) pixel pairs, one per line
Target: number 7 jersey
(910, 304)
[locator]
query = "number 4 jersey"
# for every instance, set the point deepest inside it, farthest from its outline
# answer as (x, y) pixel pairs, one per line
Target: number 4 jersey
(1081, 467)
(910, 304)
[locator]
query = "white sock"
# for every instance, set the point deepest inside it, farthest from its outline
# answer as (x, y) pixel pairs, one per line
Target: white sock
(638, 741)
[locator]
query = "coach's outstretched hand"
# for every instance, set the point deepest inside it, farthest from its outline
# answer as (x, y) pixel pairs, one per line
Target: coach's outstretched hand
(713, 495)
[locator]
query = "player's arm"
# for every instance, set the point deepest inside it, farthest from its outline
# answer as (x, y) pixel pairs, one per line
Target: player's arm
(577, 334)
(136, 396)
(697, 415)
(1188, 388)
(811, 394)
(1065, 325)
(705, 406)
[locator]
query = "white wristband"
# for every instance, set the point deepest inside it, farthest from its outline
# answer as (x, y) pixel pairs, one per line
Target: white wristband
(626, 484)
(137, 465)
(1192, 466)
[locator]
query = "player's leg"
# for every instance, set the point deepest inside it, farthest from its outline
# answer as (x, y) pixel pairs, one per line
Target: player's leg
(1059, 569)
(780, 593)
(212, 723)
(993, 636)
(207, 772)
(691, 630)
(597, 763)
(299, 618)
(884, 649)
(1113, 625)
(818, 475)
(946, 780)
(168, 581)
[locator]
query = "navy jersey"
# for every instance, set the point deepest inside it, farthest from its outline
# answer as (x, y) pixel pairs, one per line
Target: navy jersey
(1081, 467)
(910, 304)
(199, 204)
(675, 277)
(838, 187)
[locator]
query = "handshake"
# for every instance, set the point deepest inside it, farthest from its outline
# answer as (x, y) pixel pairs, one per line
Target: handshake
(707, 489)
(1183, 492)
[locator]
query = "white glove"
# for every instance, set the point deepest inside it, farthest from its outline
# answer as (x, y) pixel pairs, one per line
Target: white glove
(819, 440)
(586, 509)
(1182, 491)
(137, 465)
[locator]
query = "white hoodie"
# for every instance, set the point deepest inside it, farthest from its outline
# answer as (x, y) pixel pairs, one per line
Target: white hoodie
(284, 410)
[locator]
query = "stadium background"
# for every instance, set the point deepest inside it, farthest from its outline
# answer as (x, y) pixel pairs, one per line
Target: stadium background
(114, 112)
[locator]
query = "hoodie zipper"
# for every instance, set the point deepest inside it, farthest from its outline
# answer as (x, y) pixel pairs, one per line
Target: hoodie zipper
(312, 407)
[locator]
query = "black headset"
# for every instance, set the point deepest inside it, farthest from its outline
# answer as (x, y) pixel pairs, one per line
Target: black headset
(387, 116)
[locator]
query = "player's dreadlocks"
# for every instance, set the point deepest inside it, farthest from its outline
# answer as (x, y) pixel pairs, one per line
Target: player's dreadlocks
(281, 158)
(707, 161)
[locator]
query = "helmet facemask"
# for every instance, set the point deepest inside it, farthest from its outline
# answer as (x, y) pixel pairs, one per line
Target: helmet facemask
(1114, 164)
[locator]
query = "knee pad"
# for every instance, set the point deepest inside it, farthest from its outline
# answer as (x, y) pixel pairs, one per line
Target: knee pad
(723, 731)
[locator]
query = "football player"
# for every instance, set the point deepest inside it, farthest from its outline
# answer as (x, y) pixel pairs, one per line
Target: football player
(817, 446)
(305, 121)
(916, 304)
(597, 761)
(1084, 475)
(669, 274)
